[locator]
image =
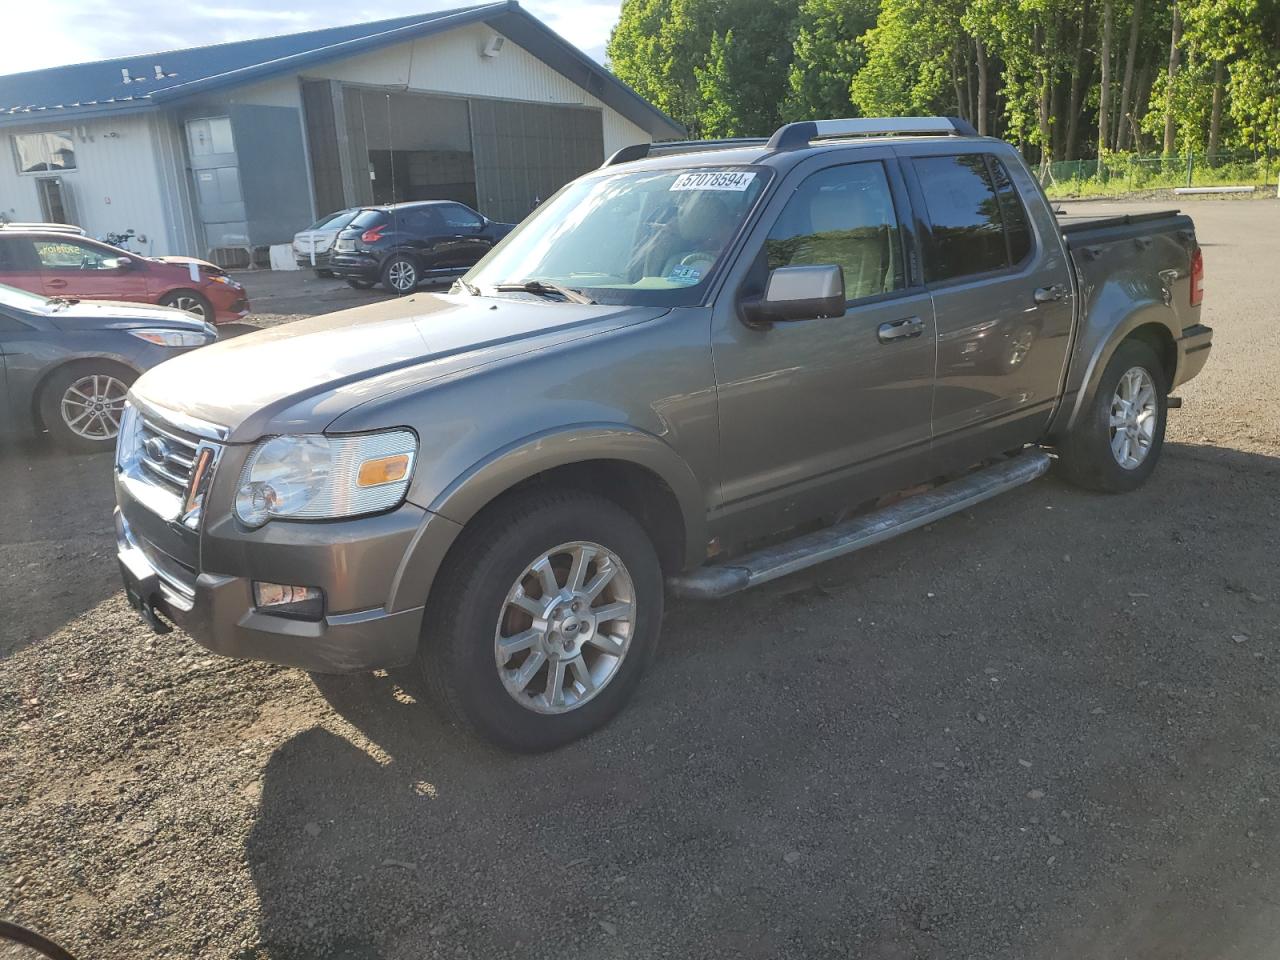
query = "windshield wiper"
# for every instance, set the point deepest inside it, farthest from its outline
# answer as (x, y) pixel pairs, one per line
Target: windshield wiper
(543, 288)
(471, 288)
(61, 301)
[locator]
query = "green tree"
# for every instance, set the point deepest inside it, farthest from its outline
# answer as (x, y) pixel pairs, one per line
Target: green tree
(743, 78)
(656, 47)
(826, 57)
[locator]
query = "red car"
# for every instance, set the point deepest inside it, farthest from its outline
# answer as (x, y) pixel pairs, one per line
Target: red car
(63, 264)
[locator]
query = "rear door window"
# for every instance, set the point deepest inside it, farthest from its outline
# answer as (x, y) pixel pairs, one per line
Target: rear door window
(967, 226)
(16, 253)
(420, 221)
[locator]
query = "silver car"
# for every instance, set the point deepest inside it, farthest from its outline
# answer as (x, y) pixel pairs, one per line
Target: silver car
(312, 246)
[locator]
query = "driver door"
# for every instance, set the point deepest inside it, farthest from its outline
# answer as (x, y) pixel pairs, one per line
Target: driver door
(72, 267)
(821, 414)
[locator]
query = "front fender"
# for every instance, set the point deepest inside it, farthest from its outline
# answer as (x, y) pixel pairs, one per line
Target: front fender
(450, 510)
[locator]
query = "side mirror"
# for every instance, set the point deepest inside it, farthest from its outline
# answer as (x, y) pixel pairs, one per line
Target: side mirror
(799, 293)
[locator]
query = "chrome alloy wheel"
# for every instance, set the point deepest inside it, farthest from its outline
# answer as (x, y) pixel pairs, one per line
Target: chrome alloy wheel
(403, 275)
(1134, 412)
(192, 305)
(92, 406)
(565, 627)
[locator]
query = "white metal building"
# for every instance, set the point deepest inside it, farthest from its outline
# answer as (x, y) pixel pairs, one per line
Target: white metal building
(213, 150)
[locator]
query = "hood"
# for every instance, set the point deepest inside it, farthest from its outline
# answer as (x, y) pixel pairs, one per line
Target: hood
(300, 376)
(205, 265)
(109, 315)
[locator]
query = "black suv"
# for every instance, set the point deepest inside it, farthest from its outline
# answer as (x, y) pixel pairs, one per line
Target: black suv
(402, 244)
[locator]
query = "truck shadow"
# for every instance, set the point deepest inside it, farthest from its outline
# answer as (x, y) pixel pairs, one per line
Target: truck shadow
(57, 545)
(1041, 728)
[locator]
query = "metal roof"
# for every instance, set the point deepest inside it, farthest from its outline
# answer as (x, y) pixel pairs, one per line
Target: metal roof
(93, 89)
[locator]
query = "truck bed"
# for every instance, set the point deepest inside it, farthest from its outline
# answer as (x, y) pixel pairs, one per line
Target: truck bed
(1081, 232)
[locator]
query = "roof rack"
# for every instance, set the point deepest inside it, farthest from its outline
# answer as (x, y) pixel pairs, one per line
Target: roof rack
(794, 136)
(47, 227)
(638, 151)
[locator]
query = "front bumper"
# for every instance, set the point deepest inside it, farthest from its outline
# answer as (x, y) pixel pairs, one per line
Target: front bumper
(229, 304)
(1193, 352)
(218, 611)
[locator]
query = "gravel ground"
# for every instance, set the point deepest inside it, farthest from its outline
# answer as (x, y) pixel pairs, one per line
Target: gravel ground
(1043, 728)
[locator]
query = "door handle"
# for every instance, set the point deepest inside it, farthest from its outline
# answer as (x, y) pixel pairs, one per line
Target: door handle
(57, 284)
(1049, 294)
(900, 329)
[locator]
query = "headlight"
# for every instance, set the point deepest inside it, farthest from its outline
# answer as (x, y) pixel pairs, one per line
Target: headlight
(172, 338)
(316, 477)
(128, 440)
(227, 280)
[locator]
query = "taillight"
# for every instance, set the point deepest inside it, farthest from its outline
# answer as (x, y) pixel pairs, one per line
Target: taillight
(373, 233)
(1197, 277)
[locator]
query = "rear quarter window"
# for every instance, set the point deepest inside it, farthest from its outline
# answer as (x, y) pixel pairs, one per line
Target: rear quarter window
(368, 218)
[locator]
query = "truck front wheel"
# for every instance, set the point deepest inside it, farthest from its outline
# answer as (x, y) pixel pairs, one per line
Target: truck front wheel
(546, 617)
(1116, 442)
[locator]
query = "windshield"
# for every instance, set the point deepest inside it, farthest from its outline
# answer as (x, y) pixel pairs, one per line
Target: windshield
(21, 300)
(334, 221)
(650, 238)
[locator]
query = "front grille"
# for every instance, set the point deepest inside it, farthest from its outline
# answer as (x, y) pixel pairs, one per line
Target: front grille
(167, 469)
(168, 455)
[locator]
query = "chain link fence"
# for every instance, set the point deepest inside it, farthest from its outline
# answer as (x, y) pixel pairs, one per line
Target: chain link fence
(1121, 174)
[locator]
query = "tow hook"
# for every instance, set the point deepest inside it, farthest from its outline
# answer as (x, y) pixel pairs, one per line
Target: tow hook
(146, 609)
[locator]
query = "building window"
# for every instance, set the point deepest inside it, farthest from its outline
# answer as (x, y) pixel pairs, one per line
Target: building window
(41, 152)
(210, 136)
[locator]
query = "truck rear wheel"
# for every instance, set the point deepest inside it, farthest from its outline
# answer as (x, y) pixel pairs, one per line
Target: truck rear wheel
(547, 615)
(1116, 442)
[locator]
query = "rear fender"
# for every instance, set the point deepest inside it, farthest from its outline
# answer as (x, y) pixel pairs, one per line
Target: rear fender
(1112, 317)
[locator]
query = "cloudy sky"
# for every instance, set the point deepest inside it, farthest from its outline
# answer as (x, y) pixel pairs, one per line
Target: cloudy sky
(45, 33)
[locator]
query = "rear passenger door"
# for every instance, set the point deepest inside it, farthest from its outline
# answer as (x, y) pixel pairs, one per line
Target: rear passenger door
(820, 414)
(1002, 298)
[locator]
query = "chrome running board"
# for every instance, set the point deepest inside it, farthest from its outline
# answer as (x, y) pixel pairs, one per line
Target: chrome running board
(753, 569)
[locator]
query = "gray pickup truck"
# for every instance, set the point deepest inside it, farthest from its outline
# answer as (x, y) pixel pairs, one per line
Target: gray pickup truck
(696, 369)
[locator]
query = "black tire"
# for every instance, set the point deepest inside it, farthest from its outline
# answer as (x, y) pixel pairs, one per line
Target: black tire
(1085, 454)
(190, 301)
(359, 284)
(55, 390)
(457, 656)
(397, 267)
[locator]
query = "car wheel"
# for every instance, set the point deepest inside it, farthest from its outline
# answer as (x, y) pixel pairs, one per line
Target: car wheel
(191, 302)
(400, 275)
(1116, 442)
(548, 614)
(81, 404)
(359, 284)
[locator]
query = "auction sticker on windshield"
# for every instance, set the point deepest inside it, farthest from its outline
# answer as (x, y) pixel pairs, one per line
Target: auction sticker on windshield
(735, 180)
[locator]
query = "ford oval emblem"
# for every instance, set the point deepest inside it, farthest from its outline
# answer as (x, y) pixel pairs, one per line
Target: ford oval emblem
(156, 449)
